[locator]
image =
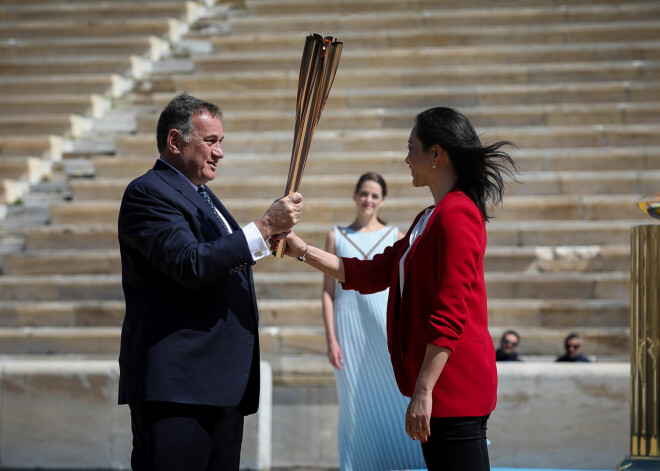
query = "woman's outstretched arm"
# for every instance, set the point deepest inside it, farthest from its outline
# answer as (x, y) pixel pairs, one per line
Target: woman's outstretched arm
(323, 261)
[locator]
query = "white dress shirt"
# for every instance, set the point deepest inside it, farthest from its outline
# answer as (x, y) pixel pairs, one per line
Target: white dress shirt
(414, 234)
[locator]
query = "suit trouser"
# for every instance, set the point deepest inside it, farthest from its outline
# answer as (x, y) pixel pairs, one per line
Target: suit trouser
(457, 444)
(170, 436)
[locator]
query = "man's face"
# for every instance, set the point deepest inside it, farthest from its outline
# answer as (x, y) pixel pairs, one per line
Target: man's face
(199, 156)
(573, 347)
(509, 343)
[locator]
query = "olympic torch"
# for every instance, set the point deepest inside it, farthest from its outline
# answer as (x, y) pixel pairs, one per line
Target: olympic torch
(318, 67)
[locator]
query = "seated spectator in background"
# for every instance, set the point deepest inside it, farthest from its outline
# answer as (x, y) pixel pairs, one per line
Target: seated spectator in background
(508, 344)
(573, 346)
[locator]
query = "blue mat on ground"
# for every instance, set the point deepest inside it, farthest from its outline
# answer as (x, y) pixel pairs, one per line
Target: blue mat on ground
(534, 469)
(539, 469)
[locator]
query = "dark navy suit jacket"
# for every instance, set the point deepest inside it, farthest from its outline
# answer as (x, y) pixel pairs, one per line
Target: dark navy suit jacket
(190, 330)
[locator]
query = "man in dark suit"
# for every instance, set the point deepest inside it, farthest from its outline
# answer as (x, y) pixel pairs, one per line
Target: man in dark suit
(189, 360)
(573, 347)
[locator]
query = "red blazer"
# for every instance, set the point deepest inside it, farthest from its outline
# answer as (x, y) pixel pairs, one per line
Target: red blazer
(443, 303)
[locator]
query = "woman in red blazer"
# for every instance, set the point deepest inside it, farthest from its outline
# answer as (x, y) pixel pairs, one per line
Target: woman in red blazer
(442, 353)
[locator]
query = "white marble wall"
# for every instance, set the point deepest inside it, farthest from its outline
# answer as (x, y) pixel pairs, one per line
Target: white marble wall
(56, 414)
(561, 415)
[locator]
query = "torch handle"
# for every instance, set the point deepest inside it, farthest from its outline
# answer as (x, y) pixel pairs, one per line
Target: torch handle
(281, 247)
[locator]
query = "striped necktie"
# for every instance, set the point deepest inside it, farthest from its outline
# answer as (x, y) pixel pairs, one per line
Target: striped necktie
(205, 194)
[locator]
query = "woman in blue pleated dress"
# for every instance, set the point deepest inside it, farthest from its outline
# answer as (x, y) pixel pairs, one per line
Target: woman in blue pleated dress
(371, 430)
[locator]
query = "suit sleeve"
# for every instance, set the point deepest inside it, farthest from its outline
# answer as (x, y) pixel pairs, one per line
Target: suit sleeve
(458, 233)
(161, 230)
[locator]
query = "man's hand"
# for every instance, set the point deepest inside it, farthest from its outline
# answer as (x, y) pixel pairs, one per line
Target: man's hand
(282, 215)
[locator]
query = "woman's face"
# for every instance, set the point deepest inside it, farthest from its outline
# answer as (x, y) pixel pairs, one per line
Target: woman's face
(369, 198)
(419, 161)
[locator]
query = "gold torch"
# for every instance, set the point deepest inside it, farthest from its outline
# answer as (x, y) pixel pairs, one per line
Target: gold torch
(318, 67)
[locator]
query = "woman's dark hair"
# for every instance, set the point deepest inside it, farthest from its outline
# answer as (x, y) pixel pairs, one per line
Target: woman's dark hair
(372, 177)
(178, 115)
(480, 170)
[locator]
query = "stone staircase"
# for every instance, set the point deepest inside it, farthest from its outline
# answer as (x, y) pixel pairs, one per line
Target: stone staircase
(576, 85)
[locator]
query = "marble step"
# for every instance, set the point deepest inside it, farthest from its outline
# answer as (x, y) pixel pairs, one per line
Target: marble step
(399, 185)
(95, 11)
(66, 125)
(500, 67)
(57, 340)
(284, 341)
(613, 285)
(328, 210)
(75, 103)
(502, 313)
(87, 236)
(431, 17)
(27, 169)
(64, 262)
(122, 65)
(557, 313)
(497, 259)
(67, 237)
(91, 313)
(165, 28)
(425, 97)
(60, 287)
(454, 9)
(432, 56)
(107, 84)
(456, 35)
(347, 140)
(382, 118)
(14, 3)
(356, 163)
(568, 285)
(40, 146)
(26, 49)
(279, 341)
(103, 313)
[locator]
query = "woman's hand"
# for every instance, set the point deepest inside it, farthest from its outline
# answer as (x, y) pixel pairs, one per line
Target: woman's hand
(295, 246)
(334, 354)
(418, 416)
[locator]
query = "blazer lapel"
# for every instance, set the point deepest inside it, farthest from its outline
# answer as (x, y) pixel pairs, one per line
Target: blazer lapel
(179, 183)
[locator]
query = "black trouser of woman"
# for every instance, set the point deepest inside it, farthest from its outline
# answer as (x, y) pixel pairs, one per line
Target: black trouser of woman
(457, 444)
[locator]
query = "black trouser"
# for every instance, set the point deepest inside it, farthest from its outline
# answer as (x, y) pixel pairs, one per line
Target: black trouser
(457, 444)
(169, 436)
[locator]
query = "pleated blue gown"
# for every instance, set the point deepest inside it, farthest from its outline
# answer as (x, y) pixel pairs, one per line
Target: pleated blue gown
(371, 430)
